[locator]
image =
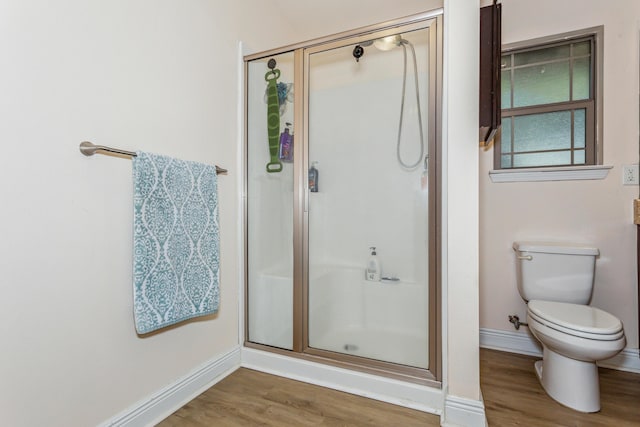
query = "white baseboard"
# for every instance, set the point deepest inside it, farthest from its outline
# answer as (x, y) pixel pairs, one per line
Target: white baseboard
(415, 396)
(463, 412)
(524, 343)
(627, 360)
(512, 342)
(160, 405)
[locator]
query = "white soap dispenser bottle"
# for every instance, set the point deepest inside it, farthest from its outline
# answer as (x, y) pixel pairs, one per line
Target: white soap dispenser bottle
(373, 267)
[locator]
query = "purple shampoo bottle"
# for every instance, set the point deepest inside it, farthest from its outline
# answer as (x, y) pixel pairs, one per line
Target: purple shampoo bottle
(286, 145)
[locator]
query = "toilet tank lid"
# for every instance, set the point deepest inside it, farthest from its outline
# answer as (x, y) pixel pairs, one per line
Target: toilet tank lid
(556, 248)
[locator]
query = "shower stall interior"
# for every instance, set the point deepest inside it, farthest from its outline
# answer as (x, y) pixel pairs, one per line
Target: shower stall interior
(342, 156)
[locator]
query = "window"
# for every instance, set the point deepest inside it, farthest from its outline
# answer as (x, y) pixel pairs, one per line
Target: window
(549, 103)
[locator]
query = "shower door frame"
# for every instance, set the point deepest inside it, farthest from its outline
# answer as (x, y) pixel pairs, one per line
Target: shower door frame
(431, 376)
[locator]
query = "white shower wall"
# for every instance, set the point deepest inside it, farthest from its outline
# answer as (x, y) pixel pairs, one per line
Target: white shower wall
(365, 197)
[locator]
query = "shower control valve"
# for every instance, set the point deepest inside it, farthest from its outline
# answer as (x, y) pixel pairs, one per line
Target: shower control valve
(358, 51)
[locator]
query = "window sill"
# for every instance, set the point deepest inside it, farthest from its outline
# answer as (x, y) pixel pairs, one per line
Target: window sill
(568, 173)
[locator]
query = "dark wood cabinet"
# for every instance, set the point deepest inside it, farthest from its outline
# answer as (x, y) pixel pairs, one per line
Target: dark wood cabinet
(490, 52)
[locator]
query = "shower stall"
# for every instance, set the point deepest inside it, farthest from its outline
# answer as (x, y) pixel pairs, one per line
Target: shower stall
(342, 156)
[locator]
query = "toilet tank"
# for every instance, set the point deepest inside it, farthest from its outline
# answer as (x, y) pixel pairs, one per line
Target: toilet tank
(555, 271)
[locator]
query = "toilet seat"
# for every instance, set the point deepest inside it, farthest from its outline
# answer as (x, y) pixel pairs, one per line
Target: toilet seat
(577, 320)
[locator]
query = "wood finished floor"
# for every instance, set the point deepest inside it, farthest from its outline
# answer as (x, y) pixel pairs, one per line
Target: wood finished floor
(511, 391)
(513, 396)
(251, 398)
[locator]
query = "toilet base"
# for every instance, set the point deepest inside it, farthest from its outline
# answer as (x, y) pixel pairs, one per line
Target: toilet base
(571, 382)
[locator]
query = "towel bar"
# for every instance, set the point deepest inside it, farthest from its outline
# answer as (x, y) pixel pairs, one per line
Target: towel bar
(89, 149)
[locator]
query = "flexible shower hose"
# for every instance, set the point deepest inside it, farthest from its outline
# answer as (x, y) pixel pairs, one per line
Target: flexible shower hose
(403, 43)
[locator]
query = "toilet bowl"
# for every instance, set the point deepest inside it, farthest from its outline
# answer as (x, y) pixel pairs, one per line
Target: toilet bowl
(557, 281)
(573, 337)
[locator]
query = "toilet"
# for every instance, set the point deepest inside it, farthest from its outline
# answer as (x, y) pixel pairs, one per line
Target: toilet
(556, 280)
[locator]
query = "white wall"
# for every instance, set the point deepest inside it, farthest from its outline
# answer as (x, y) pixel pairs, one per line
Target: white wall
(311, 19)
(154, 75)
(157, 75)
(595, 212)
(460, 199)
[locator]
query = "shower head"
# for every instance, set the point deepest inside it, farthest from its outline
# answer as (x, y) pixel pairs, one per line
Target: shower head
(384, 44)
(389, 42)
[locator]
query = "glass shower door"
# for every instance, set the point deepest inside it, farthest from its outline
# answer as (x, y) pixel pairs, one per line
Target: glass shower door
(368, 142)
(269, 193)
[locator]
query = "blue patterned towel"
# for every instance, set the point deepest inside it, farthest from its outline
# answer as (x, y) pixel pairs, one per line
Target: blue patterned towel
(175, 241)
